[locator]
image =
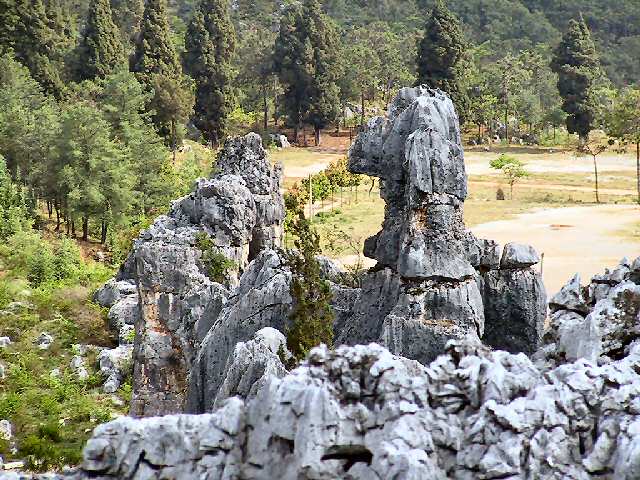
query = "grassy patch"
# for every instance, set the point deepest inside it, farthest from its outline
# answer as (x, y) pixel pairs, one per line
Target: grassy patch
(51, 409)
(301, 157)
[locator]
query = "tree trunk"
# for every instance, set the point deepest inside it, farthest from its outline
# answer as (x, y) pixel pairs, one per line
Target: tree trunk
(49, 208)
(506, 125)
(265, 106)
(295, 134)
(73, 228)
(638, 168)
(85, 228)
(362, 107)
(174, 139)
(317, 136)
(57, 207)
(310, 199)
(595, 170)
(373, 184)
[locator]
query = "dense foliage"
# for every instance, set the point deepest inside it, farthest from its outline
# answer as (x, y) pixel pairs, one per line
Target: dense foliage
(576, 63)
(311, 319)
(441, 56)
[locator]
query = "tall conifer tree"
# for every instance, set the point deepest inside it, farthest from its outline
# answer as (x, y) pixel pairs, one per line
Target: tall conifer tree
(576, 63)
(306, 60)
(155, 53)
(34, 37)
(102, 52)
(210, 43)
(441, 56)
(157, 66)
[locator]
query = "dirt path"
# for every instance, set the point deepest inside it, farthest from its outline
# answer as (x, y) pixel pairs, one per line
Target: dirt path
(581, 240)
(550, 186)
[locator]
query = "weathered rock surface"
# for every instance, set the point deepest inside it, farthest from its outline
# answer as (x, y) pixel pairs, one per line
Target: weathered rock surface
(261, 300)
(363, 413)
(115, 365)
(175, 303)
(598, 322)
(251, 365)
(107, 295)
(434, 280)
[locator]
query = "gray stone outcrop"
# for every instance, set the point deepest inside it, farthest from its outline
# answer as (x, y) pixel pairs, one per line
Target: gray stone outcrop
(163, 287)
(598, 322)
(434, 280)
(363, 413)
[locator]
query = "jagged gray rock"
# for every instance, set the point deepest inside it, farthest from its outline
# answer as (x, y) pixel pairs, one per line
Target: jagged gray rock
(362, 413)
(261, 300)
(516, 255)
(570, 297)
(597, 327)
(115, 365)
(241, 208)
(124, 311)
(438, 281)
(252, 364)
(515, 308)
(107, 295)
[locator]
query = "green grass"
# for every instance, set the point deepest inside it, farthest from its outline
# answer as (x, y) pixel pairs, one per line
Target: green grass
(52, 417)
(300, 157)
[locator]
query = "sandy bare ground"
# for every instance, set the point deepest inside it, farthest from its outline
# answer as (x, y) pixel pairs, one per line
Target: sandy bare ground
(550, 186)
(581, 240)
(477, 163)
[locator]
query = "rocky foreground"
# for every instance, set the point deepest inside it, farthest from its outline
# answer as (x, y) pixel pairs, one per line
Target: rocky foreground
(445, 371)
(363, 413)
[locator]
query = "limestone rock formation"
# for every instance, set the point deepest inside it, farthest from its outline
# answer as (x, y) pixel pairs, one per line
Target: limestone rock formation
(362, 413)
(163, 287)
(598, 322)
(434, 280)
(261, 300)
(251, 365)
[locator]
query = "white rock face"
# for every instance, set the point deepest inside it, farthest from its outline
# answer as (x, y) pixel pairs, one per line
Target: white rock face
(363, 413)
(251, 365)
(78, 367)
(6, 430)
(114, 365)
(44, 341)
(5, 342)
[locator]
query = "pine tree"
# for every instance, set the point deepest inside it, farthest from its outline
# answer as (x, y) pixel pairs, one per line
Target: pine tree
(210, 43)
(102, 52)
(576, 63)
(312, 316)
(36, 43)
(305, 58)
(157, 66)
(155, 53)
(441, 56)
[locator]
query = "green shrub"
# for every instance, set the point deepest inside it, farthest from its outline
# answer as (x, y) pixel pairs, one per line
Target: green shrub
(217, 265)
(41, 267)
(42, 453)
(67, 262)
